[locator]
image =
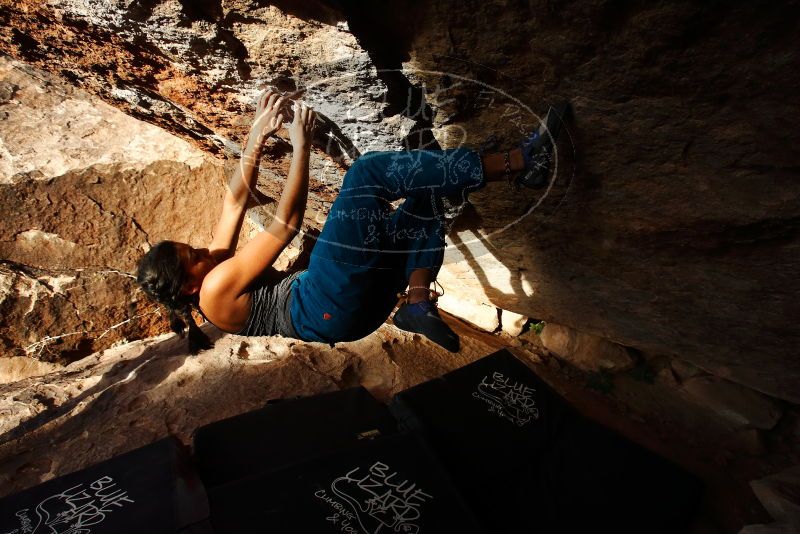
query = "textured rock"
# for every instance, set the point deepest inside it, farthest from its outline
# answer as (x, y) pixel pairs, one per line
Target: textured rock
(13, 369)
(50, 128)
(736, 404)
(71, 244)
(585, 351)
(130, 395)
(780, 495)
(684, 370)
(665, 376)
(79, 184)
(513, 323)
(62, 315)
(673, 225)
(677, 232)
(483, 316)
(751, 441)
(105, 217)
(772, 528)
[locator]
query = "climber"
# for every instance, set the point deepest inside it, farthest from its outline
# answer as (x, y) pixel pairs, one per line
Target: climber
(365, 255)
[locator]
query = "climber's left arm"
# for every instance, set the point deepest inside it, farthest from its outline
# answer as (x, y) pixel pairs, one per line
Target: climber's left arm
(267, 121)
(292, 204)
(232, 278)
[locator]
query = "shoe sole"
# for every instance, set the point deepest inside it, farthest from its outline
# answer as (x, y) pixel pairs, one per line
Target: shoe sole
(553, 123)
(405, 328)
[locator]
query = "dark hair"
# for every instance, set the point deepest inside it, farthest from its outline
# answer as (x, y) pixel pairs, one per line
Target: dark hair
(161, 276)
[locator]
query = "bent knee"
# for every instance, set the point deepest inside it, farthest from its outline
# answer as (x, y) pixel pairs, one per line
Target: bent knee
(368, 170)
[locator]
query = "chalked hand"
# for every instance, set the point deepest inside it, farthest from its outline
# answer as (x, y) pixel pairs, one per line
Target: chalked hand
(268, 118)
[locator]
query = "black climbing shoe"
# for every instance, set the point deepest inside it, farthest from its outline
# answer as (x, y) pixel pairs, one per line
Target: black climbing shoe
(423, 318)
(538, 148)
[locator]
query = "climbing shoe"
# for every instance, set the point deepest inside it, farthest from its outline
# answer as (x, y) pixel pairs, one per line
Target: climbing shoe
(423, 318)
(538, 148)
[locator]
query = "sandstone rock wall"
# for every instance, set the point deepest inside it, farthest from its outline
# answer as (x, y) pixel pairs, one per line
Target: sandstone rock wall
(51, 128)
(672, 227)
(678, 230)
(80, 184)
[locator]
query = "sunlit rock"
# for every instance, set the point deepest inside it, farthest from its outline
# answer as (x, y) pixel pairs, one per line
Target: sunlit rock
(585, 351)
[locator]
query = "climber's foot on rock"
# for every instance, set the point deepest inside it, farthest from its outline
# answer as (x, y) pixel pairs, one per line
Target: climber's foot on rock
(423, 318)
(538, 149)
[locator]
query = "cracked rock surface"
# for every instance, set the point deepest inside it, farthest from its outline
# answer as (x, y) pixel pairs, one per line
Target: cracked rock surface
(67, 287)
(80, 186)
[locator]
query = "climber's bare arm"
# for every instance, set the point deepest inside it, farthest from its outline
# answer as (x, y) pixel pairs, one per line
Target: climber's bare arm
(233, 277)
(292, 205)
(267, 120)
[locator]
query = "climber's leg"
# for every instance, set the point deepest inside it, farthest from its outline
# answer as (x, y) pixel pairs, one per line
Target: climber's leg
(538, 150)
(395, 175)
(494, 164)
(534, 155)
(353, 276)
(419, 285)
(416, 236)
(421, 316)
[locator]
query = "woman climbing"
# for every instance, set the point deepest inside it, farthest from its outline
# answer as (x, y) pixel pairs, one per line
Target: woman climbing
(366, 254)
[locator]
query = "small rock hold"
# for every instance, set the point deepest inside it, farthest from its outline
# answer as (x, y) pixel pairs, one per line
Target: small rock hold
(26, 469)
(736, 404)
(638, 418)
(7, 91)
(780, 495)
(666, 377)
(535, 358)
(481, 315)
(772, 528)
(751, 441)
(529, 355)
(585, 351)
(137, 403)
(513, 323)
(684, 370)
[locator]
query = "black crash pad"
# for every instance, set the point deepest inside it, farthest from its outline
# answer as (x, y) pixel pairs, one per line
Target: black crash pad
(152, 489)
(287, 432)
(526, 461)
(389, 485)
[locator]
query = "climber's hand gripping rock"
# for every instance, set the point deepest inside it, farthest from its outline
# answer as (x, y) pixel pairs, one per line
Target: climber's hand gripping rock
(268, 118)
